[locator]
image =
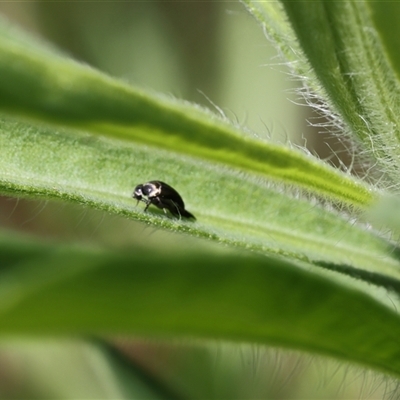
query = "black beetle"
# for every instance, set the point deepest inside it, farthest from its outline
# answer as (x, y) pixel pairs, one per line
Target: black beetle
(162, 196)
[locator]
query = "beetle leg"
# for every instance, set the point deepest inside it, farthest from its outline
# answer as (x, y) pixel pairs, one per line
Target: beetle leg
(177, 209)
(148, 202)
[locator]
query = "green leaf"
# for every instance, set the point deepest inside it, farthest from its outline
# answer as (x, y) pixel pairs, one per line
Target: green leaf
(341, 44)
(64, 92)
(384, 15)
(216, 295)
(231, 208)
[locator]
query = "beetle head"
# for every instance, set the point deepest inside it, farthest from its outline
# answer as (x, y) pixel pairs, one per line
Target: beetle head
(137, 193)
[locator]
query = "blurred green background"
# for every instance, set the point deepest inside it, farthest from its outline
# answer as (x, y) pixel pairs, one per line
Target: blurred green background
(215, 54)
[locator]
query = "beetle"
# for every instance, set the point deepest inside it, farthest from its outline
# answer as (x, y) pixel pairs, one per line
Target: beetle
(162, 196)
